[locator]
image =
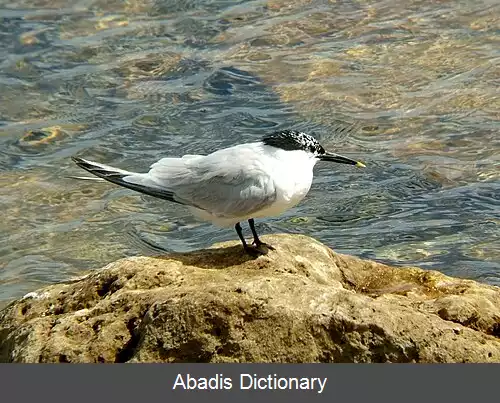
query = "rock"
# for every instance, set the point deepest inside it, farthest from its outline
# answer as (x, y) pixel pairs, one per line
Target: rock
(300, 303)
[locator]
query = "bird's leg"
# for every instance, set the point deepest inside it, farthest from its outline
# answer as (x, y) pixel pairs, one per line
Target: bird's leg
(251, 250)
(256, 241)
(239, 231)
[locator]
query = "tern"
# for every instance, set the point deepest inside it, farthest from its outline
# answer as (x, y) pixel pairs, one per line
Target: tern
(231, 185)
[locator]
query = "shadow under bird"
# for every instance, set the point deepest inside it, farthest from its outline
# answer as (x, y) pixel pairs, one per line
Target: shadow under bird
(234, 184)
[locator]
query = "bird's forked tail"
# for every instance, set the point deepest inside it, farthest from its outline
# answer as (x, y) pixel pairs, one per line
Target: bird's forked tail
(131, 180)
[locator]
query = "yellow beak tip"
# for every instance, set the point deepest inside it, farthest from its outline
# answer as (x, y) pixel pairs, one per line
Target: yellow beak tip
(360, 164)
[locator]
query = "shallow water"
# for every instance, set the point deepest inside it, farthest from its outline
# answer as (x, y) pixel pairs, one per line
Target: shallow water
(126, 83)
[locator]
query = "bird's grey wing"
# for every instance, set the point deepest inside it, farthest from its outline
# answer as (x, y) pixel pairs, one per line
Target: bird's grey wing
(225, 187)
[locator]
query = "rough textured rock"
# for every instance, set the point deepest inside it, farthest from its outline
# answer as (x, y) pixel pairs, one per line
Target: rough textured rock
(300, 303)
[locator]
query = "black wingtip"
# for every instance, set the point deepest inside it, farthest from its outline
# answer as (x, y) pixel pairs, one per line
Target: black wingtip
(117, 178)
(77, 160)
(95, 169)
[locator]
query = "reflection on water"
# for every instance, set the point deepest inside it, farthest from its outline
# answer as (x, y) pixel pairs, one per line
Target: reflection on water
(126, 83)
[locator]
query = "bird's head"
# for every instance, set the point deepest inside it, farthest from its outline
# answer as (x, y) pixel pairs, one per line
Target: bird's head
(291, 140)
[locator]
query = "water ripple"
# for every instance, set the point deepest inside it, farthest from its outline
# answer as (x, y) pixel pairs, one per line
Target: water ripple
(127, 83)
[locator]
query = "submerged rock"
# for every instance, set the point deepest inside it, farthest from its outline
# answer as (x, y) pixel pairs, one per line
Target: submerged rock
(300, 303)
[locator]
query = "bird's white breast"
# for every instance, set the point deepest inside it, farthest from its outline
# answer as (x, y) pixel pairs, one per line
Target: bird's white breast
(292, 174)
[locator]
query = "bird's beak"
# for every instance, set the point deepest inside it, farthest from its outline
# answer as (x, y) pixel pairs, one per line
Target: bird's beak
(339, 158)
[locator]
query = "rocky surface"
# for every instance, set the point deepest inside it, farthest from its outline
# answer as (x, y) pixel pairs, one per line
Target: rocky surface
(300, 303)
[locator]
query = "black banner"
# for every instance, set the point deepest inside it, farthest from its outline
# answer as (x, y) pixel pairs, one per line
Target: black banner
(247, 382)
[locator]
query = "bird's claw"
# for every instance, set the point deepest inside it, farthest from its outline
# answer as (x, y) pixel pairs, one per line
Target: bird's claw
(258, 248)
(259, 244)
(255, 251)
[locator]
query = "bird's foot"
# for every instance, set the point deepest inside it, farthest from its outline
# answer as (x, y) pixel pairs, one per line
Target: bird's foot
(256, 250)
(258, 244)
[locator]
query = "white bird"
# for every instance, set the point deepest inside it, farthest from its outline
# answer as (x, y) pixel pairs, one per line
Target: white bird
(234, 184)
